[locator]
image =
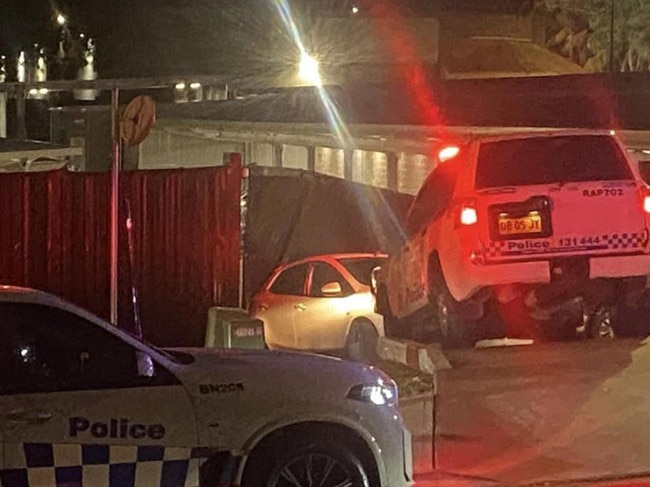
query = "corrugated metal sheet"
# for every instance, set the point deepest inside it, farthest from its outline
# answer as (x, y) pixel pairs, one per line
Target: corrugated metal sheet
(164, 150)
(54, 236)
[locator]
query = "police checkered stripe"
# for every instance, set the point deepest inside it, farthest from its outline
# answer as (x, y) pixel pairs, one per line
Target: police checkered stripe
(624, 240)
(74, 465)
(494, 248)
(612, 241)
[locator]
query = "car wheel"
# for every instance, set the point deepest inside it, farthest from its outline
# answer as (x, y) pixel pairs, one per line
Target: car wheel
(302, 462)
(601, 325)
(456, 330)
(361, 344)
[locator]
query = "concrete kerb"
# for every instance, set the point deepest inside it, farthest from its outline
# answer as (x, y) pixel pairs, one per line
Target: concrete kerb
(425, 358)
(418, 411)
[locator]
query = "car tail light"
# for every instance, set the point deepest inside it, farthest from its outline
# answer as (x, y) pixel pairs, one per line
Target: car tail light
(448, 152)
(645, 197)
(468, 215)
(646, 203)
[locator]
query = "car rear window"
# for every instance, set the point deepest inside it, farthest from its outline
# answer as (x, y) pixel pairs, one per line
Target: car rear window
(361, 268)
(547, 160)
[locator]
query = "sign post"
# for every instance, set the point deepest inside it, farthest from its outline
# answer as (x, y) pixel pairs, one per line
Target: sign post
(115, 194)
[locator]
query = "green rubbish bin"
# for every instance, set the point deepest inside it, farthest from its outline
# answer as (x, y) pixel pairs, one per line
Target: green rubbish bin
(233, 328)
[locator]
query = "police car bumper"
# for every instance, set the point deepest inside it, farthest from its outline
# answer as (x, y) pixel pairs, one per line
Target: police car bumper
(476, 276)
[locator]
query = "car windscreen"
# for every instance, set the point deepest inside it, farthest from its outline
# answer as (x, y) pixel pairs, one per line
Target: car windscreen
(548, 160)
(361, 268)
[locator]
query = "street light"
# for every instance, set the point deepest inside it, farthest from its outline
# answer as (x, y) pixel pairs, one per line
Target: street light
(61, 19)
(308, 69)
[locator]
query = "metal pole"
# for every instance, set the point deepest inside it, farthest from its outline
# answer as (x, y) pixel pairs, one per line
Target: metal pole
(611, 37)
(21, 128)
(115, 193)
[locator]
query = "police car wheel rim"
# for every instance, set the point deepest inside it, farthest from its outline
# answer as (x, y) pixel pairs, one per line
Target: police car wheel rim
(604, 328)
(312, 469)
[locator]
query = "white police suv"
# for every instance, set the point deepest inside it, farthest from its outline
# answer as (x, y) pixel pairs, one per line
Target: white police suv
(543, 221)
(83, 403)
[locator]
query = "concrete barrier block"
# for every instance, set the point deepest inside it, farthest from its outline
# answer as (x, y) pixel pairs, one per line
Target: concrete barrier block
(436, 358)
(419, 356)
(417, 412)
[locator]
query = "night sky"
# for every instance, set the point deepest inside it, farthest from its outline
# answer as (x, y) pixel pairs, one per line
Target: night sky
(152, 37)
(25, 22)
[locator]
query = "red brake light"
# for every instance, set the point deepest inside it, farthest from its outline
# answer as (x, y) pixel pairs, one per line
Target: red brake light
(468, 214)
(448, 152)
(645, 195)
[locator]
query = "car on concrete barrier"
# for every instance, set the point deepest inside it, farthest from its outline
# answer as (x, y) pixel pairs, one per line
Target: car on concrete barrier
(553, 223)
(322, 303)
(84, 403)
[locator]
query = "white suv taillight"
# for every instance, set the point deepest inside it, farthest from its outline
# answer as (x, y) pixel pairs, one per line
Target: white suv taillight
(645, 195)
(468, 215)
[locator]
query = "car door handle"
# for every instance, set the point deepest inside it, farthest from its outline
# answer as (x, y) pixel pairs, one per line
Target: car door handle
(300, 307)
(23, 417)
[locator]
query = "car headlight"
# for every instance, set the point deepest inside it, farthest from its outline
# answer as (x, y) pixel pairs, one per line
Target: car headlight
(382, 393)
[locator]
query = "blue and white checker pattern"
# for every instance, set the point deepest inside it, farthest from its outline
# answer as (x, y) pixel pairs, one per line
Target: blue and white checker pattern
(625, 240)
(73, 465)
(612, 241)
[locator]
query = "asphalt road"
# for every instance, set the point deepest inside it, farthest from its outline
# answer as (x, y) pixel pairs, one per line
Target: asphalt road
(544, 414)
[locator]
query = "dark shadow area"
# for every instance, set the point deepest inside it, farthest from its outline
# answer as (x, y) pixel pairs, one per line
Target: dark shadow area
(294, 214)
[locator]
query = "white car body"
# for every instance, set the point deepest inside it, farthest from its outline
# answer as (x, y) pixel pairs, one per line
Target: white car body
(123, 429)
(305, 319)
(498, 213)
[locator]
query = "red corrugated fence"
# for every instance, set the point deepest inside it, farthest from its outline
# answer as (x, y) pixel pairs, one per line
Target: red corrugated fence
(54, 235)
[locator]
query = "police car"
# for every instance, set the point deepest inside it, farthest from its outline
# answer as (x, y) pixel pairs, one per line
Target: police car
(549, 225)
(83, 403)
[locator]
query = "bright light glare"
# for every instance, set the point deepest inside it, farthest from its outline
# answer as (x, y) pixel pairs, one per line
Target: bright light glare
(335, 120)
(61, 20)
(468, 215)
(195, 86)
(33, 91)
(448, 153)
(355, 10)
(180, 86)
(646, 204)
(43, 91)
(355, 302)
(376, 396)
(308, 69)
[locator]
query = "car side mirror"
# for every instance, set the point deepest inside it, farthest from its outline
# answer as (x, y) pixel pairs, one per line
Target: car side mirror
(331, 289)
(145, 365)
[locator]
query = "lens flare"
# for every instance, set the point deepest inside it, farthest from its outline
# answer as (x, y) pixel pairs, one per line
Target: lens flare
(309, 69)
(309, 63)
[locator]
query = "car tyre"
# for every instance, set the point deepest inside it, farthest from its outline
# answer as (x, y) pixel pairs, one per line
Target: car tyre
(456, 331)
(328, 463)
(361, 344)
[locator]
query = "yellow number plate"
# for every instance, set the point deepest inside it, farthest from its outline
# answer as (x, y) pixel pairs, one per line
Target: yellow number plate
(526, 224)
